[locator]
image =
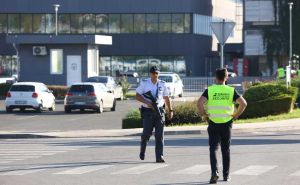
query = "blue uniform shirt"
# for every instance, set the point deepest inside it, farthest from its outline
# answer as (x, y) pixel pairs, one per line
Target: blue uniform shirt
(147, 85)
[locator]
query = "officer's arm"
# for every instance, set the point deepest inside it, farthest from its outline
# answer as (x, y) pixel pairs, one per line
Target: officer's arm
(200, 104)
(140, 98)
(168, 103)
(242, 105)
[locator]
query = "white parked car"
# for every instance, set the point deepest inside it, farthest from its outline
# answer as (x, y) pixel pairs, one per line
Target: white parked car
(174, 83)
(32, 95)
(88, 95)
(110, 83)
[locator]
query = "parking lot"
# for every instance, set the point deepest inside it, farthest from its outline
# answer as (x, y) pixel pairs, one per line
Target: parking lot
(59, 121)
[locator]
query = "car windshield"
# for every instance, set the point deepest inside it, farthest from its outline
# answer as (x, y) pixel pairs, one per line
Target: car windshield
(81, 88)
(23, 88)
(97, 79)
(165, 78)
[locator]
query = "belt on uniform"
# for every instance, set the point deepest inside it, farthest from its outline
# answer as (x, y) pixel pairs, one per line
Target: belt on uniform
(149, 109)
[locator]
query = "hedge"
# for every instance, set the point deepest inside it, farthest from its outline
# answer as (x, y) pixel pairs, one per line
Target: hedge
(59, 91)
(183, 114)
(268, 107)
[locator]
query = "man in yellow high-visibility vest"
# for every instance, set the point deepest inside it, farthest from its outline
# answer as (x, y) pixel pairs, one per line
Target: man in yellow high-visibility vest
(216, 105)
(280, 73)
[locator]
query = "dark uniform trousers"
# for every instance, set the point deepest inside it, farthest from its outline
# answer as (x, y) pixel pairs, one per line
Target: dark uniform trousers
(219, 133)
(151, 120)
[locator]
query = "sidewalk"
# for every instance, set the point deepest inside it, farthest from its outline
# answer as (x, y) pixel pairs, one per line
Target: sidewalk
(275, 126)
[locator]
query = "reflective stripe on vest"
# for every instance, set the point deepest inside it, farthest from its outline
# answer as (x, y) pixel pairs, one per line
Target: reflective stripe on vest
(220, 106)
(280, 72)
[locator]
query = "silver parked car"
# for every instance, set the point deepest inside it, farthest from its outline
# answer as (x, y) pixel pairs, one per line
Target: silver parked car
(110, 83)
(87, 95)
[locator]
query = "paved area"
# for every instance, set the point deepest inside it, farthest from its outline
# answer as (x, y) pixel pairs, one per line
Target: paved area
(257, 159)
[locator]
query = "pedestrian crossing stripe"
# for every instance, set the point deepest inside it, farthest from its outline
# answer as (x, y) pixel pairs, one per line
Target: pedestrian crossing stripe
(21, 172)
(254, 170)
(83, 169)
(194, 170)
(141, 169)
(296, 173)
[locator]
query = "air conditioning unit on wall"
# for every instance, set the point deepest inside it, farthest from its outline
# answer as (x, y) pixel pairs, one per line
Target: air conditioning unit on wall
(39, 50)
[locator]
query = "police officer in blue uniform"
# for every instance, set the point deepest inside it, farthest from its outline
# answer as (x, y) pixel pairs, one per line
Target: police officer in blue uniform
(150, 118)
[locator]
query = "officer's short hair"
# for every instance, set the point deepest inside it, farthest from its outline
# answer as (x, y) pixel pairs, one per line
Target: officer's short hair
(221, 73)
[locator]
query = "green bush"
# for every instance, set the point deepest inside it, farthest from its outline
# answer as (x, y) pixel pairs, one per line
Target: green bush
(186, 113)
(277, 105)
(269, 91)
(183, 114)
(132, 120)
(4, 88)
(59, 91)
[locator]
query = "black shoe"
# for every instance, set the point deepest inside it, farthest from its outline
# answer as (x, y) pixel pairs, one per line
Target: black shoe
(214, 179)
(142, 156)
(227, 178)
(160, 160)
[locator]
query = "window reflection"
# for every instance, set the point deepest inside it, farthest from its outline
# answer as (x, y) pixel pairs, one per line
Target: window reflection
(89, 23)
(126, 23)
(139, 23)
(101, 23)
(13, 23)
(39, 21)
(105, 66)
(8, 66)
(114, 23)
(178, 23)
(152, 23)
(26, 23)
(3, 23)
(64, 23)
(76, 23)
(165, 23)
(50, 23)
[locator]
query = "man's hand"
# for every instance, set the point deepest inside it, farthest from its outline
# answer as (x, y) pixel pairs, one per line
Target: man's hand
(205, 117)
(170, 114)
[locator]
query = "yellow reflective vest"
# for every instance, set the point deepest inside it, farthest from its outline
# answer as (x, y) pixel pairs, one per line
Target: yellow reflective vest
(280, 72)
(220, 105)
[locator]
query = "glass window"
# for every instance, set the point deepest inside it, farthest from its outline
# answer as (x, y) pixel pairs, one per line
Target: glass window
(26, 23)
(165, 23)
(81, 88)
(116, 65)
(89, 23)
(114, 23)
(129, 64)
(127, 23)
(76, 23)
(3, 23)
(39, 23)
(50, 23)
(178, 23)
(101, 23)
(167, 63)
(180, 66)
(154, 61)
(142, 64)
(5, 66)
(152, 23)
(22, 88)
(64, 23)
(56, 61)
(14, 65)
(139, 23)
(187, 22)
(104, 66)
(13, 23)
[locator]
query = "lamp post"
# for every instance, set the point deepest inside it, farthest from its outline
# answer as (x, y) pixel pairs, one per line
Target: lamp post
(56, 6)
(288, 72)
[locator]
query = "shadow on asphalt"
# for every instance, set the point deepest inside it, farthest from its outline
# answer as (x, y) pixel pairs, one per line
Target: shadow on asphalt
(193, 142)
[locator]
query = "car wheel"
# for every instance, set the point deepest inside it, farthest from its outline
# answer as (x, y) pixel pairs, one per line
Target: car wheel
(100, 108)
(114, 105)
(67, 110)
(52, 108)
(39, 109)
(9, 110)
(181, 94)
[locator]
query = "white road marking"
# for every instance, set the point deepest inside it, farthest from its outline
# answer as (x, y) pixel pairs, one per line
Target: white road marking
(297, 173)
(194, 170)
(83, 169)
(20, 172)
(254, 170)
(141, 169)
(23, 118)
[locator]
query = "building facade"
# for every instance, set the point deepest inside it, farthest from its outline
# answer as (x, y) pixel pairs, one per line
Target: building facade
(174, 34)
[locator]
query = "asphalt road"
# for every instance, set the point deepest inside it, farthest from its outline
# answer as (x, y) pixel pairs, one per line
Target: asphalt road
(256, 160)
(59, 121)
